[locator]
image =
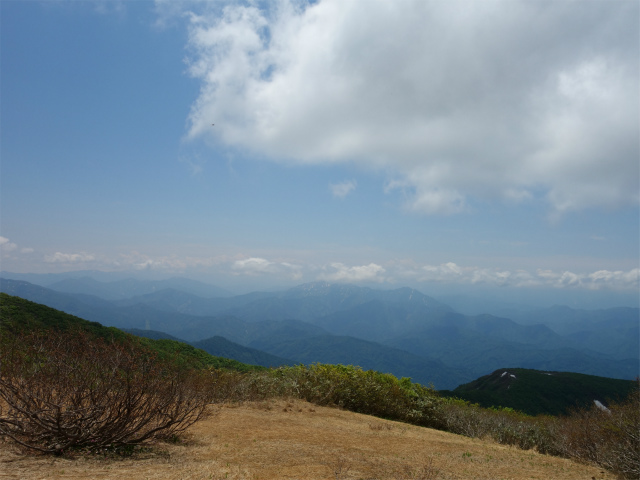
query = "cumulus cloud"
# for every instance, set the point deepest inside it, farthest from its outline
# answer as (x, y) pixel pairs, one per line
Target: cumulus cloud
(512, 100)
(161, 263)
(6, 245)
(253, 265)
(453, 273)
(338, 272)
(60, 257)
(342, 189)
(259, 266)
(593, 281)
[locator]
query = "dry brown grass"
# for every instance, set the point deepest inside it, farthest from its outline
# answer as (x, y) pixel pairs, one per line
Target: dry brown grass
(276, 440)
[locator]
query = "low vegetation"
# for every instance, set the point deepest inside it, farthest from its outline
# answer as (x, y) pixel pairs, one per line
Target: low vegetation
(536, 392)
(609, 438)
(64, 387)
(71, 391)
(68, 384)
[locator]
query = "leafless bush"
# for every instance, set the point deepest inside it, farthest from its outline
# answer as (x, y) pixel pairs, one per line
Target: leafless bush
(380, 426)
(610, 439)
(503, 425)
(62, 391)
(233, 386)
(426, 471)
(340, 466)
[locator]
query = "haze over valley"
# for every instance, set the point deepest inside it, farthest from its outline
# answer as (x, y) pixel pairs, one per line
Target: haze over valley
(400, 331)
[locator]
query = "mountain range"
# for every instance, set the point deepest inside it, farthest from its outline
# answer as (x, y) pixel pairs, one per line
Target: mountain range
(400, 331)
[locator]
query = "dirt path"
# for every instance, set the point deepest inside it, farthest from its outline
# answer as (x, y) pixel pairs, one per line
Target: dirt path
(295, 440)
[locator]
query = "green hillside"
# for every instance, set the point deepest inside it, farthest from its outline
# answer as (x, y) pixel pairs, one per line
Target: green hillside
(537, 392)
(19, 314)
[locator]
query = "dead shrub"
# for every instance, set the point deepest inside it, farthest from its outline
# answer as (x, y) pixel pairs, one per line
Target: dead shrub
(62, 391)
(426, 471)
(610, 439)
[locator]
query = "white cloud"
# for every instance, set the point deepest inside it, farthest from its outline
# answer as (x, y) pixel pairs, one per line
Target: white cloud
(259, 266)
(453, 273)
(252, 266)
(6, 245)
(510, 100)
(161, 263)
(342, 189)
(593, 281)
(396, 272)
(338, 272)
(60, 257)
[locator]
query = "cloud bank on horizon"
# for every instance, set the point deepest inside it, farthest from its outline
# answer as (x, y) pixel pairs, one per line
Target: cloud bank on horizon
(391, 273)
(457, 102)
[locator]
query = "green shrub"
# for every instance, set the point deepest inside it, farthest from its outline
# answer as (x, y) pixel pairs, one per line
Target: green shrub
(361, 391)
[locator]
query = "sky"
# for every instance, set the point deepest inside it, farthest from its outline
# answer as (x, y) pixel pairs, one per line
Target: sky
(465, 144)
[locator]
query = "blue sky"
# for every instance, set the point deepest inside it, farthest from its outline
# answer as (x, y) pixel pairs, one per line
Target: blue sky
(476, 144)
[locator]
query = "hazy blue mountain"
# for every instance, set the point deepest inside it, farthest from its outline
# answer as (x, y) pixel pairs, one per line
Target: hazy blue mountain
(83, 307)
(143, 317)
(508, 330)
(374, 320)
(479, 353)
(380, 321)
(566, 320)
(193, 328)
(172, 300)
(311, 301)
(46, 279)
(620, 342)
(221, 347)
(152, 334)
(613, 331)
(472, 305)
(370, 356)
(20, 314)
(402, 318)
(276, 335)
(121, 289)
(96, 309)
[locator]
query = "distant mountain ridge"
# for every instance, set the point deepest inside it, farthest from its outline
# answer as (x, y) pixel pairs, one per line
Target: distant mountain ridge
(121, 289)
(311, 301)
(319, 322)
(18, 314)
(221, 347)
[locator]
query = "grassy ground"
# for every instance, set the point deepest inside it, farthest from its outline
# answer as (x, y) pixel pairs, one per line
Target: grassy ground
(277, 440)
